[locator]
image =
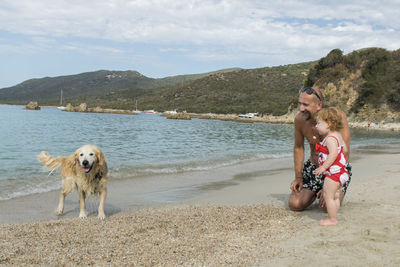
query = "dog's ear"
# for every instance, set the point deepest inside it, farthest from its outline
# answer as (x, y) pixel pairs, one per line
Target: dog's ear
(100, 157)
(101, 162)
(76, 159)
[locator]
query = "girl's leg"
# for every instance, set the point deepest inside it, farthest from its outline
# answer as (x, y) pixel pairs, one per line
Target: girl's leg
(331, 200)
(338, 197)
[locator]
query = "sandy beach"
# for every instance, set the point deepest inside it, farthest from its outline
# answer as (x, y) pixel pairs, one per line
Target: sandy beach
(241, 218)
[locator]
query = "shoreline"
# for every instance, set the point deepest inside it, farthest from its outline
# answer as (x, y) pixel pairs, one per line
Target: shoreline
(139, 192)
(241, 221)
(152, 190)
(289, 119)
(282, 119)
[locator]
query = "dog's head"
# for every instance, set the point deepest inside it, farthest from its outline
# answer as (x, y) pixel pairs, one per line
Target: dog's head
(89, 157)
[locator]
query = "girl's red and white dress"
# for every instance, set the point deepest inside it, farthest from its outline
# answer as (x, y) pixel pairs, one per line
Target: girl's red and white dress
(337, 171)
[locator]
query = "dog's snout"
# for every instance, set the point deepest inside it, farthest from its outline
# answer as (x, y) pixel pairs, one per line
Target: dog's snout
(85, 163)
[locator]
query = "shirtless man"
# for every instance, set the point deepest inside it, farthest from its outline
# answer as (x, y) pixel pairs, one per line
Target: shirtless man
(306, 187)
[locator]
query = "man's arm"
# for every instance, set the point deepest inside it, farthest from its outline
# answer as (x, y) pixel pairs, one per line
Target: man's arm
(298, 154)
(345, 132)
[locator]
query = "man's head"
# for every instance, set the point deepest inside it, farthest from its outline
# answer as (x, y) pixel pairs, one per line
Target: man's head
(310, 102)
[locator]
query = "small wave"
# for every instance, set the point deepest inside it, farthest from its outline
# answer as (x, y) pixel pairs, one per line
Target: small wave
(21, 192)
(19, 186)
(190, 166)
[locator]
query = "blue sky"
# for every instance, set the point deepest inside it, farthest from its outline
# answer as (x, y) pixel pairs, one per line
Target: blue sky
(159, 38)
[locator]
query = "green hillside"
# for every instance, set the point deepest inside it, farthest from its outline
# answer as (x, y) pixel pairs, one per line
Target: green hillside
(362, 83)
(47, 90)
(267, 90)
(85, 85)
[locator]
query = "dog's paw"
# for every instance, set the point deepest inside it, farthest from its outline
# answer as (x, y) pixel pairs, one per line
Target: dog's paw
(82, 215)
(58, 212)
(101, 216)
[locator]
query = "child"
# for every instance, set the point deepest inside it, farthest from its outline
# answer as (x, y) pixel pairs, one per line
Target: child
(332, 163)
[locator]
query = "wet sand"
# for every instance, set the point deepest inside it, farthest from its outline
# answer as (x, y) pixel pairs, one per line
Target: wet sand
(239, 216)
(141, 192)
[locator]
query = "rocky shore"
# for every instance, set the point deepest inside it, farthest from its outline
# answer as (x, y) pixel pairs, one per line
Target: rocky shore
(392, 126)
(177, 116)
(33, 105)
(366, 119)
(289, 119)
(84, 108)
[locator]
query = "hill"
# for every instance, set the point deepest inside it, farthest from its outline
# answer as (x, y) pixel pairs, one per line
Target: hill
(267, 90)
(85, 85)
(364, 83)
(47, 90)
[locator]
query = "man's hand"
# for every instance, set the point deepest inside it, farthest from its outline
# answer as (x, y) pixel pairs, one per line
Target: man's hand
(297, 185)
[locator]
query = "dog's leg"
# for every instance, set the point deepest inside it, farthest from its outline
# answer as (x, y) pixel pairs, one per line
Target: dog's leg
(67, 187)
(101, 214)
(82, 207)
(60, 208)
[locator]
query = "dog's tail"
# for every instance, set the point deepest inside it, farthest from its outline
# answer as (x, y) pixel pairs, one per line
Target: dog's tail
(51, 163)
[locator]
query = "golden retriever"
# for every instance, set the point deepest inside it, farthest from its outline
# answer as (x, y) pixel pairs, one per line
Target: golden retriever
(85, 170)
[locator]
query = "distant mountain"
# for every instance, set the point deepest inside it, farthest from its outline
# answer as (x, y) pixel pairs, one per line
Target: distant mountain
(86, 85)
(269, 90)
(47, 90)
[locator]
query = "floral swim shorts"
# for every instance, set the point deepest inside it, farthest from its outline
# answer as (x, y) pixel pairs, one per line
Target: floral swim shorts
(315, 183)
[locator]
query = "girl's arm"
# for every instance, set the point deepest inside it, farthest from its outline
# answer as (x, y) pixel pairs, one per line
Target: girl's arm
(332, 145)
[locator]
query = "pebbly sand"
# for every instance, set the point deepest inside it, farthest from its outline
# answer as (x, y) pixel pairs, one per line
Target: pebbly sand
(240, 220)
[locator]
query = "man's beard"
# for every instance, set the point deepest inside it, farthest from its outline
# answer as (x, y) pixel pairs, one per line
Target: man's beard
(306, 115)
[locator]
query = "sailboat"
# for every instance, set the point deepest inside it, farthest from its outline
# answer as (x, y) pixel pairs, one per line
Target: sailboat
(61, 107)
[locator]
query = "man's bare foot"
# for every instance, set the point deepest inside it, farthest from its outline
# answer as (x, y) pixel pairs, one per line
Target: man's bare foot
(328, 221)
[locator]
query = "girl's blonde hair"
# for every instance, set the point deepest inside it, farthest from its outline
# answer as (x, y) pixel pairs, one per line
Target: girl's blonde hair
(332, 117)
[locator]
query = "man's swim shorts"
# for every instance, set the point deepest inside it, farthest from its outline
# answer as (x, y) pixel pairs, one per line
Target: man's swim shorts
(315, 183)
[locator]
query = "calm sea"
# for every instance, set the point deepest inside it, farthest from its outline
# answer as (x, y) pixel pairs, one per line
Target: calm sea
(136, 145)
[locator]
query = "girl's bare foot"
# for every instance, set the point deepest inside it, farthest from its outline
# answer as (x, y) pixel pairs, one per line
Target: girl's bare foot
(328, 221)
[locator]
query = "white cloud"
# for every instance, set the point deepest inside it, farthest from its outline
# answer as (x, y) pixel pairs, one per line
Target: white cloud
(270, 31)
(90, 49)
(177, 21)
(171, 49)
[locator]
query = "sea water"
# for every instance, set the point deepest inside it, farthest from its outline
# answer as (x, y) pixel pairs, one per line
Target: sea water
(137, 145)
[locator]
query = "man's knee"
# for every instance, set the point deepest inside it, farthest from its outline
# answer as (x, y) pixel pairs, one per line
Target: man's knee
(295, 204)
(300, 201)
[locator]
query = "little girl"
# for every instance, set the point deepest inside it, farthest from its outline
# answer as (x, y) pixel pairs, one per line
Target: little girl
(332, 163)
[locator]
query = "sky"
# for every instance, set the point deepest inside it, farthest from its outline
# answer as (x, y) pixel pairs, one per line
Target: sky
(160, 38)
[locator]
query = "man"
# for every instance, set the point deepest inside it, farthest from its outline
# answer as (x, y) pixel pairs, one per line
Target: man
(306, 187)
